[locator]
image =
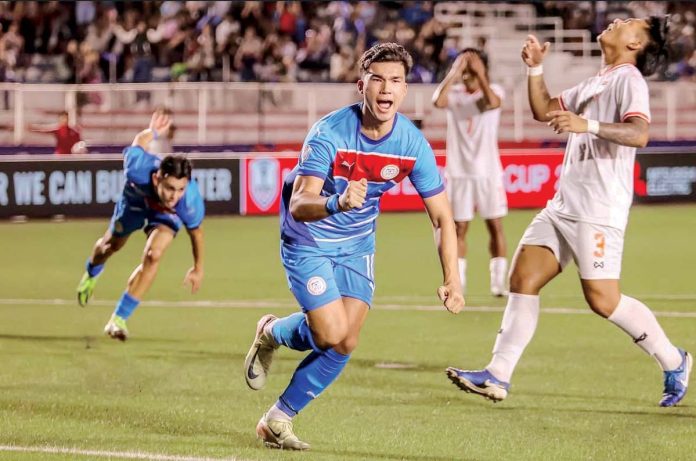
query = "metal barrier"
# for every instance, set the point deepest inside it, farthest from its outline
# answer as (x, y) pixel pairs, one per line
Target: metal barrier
(258, 113)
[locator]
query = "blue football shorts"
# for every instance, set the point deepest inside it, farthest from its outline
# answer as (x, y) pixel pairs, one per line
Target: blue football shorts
(318, 279)
(130, 216)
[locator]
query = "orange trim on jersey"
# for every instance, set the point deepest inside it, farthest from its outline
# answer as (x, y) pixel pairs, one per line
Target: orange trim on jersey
(628, 115)
(612, 69)
(560, 101)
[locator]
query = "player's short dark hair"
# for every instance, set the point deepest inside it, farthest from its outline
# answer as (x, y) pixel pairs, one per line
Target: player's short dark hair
(654, 55)
(385, 52)
(481, 54)
(177, 166)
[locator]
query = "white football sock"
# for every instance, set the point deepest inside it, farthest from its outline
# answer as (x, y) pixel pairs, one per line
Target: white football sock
(462, 273)
(636, 319)
(498, 268)
(516, 330)
(275, 413)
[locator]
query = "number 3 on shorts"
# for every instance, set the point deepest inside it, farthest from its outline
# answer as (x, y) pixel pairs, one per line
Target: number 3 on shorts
(601, 242)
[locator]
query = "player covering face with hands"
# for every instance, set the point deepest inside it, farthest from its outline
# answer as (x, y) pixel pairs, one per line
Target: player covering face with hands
(607, 117)
(330, 204)
(474, 172)
(159, 197)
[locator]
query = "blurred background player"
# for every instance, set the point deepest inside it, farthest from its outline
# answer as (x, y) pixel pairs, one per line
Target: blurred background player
(330, 204)
(159, 196)
(474, 172)
(607, 116)
(66, 136)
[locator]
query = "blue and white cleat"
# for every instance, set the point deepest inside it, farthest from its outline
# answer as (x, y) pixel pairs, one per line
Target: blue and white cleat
(677, 381)
(480, 382)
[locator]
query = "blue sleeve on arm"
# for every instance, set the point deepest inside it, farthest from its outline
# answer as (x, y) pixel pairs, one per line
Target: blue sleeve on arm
(425, 175)
(316, 158)
(191, 208)
(138, 164)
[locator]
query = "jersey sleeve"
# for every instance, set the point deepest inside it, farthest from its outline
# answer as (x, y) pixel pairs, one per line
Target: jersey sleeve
(138, 164)
(318, 152)
(568, 99)
(633, 97)
(499, 91)
(425, 175)
(191, 208)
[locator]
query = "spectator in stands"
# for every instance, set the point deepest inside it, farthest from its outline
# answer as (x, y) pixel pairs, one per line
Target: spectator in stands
(317, 31)
(66, 136)
(248, 55)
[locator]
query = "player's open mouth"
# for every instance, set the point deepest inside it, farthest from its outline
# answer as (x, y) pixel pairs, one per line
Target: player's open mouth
(384, 104)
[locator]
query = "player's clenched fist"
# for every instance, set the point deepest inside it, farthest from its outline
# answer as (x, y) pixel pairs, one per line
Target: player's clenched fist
(451, 297)
(354, 195)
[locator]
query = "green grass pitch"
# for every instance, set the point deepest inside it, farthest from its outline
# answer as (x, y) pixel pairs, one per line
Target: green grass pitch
(582, 390)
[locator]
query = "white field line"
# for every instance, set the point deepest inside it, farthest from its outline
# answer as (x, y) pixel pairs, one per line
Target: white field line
(275, 303)
(109, 454)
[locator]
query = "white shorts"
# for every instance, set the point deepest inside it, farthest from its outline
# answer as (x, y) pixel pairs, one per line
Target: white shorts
(596, 249)
(485, 195)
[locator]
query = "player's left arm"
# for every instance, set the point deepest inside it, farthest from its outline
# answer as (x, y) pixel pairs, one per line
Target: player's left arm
(440, 213)
(633, 132)
(194, 276)
(633, 104)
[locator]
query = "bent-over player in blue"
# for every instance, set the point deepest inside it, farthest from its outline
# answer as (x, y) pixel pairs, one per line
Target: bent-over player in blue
(330, 204)
(159, 196)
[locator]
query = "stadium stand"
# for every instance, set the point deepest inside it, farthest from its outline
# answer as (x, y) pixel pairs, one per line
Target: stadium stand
(270, 46)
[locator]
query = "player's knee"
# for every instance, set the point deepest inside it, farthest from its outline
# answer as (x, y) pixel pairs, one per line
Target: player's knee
(348, 345)
(461, 228)
(116, 244)
(523, 283)
(153, 255)
(331, 336)
(601, 303)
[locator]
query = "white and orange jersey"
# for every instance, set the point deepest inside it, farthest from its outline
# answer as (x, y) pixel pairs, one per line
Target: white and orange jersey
(472, 135)
(596, 182)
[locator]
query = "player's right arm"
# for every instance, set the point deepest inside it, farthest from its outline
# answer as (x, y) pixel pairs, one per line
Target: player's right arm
(441, 95)
(540, 102)
(307, 203)
(160, 123)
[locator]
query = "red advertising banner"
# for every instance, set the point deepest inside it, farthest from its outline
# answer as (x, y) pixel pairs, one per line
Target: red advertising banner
(530, 177)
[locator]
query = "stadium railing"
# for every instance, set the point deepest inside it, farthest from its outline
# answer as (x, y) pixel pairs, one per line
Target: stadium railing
(258, 113)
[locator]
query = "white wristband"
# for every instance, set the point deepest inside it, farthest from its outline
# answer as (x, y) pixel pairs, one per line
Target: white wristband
(593, 126)
(534, 71)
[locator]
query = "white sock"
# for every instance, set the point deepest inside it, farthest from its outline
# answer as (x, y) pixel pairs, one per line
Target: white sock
(636, 319)
(498, 268)
(462, 273)
(516, 330)
(276, 413)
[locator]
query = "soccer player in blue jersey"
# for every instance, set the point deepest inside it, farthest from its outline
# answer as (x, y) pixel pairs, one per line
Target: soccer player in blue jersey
(330, 204)
(159, 196)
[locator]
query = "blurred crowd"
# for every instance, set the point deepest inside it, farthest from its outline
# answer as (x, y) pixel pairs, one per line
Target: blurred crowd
(595, 15)
(89, 41)
(281, 41)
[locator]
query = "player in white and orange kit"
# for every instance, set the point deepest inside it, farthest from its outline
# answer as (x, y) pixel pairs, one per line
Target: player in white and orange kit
(474, 172)
(607, 117)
